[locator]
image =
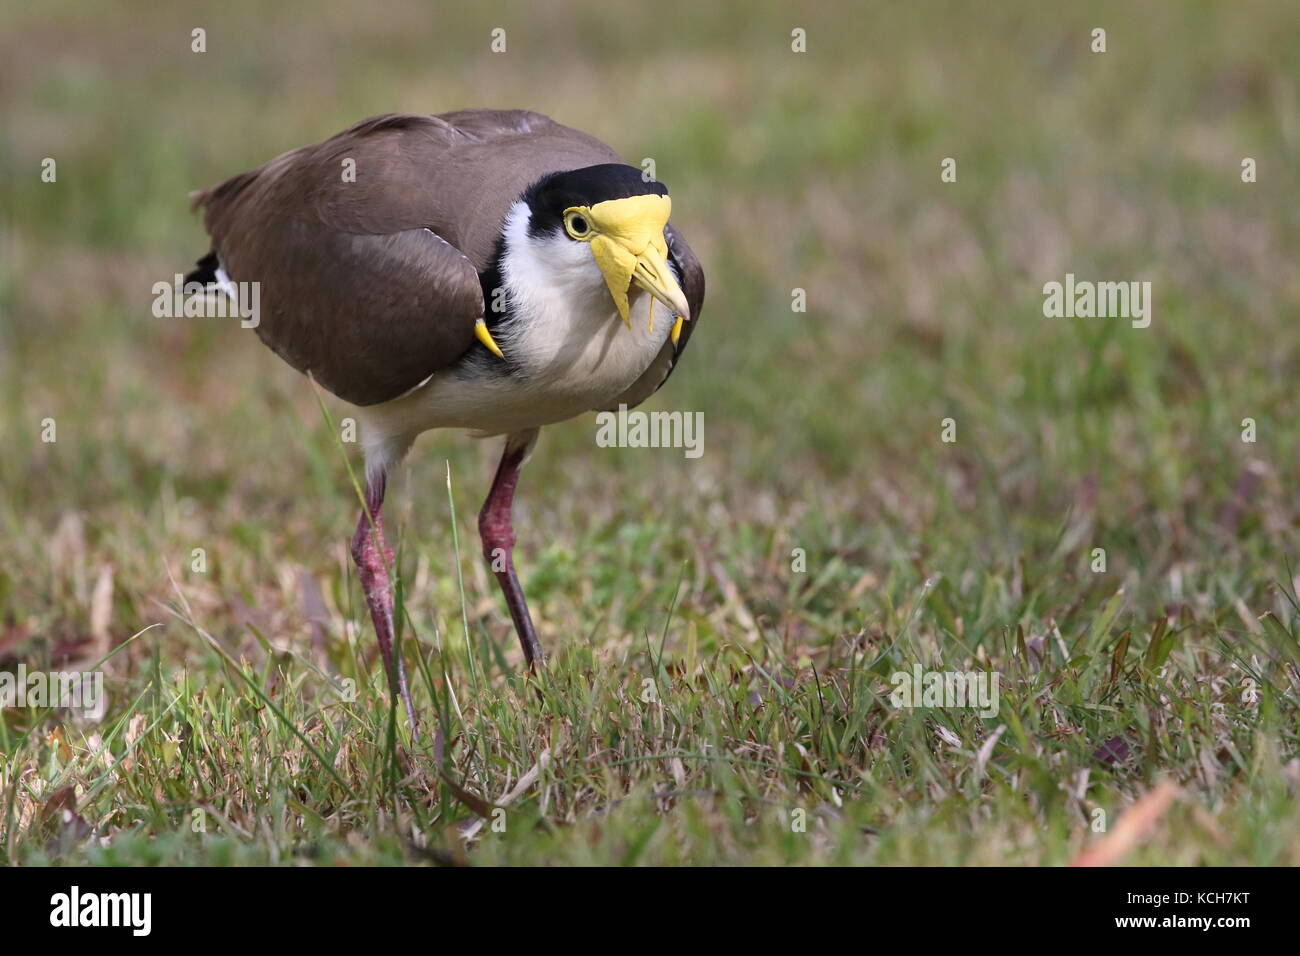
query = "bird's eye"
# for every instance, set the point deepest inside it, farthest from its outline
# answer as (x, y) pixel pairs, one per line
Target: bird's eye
(576, 225)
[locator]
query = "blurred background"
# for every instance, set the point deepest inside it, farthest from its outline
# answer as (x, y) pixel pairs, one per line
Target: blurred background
(817, 171)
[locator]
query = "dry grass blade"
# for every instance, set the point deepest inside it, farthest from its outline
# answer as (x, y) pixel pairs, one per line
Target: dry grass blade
(1134, 824)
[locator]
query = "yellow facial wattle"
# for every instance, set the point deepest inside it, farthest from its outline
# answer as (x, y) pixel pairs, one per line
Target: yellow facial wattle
(628, 244)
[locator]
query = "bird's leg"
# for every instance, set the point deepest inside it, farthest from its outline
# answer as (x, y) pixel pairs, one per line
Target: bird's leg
(498, 536)
(373, 557)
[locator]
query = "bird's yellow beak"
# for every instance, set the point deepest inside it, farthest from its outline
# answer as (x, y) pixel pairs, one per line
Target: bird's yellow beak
(627, 241)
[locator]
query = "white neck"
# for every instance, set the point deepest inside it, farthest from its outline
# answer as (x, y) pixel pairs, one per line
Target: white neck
(554, 288)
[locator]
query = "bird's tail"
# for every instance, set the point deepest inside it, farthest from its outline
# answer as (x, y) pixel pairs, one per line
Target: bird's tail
(205, 271)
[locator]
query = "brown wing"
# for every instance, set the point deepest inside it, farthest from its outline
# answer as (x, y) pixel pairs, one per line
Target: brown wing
(692, 281)
(367, 247)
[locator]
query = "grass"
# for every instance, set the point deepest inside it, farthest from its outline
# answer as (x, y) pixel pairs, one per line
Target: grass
(706, 702)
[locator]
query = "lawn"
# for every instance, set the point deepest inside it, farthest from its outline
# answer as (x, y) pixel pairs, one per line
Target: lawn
(918, 469)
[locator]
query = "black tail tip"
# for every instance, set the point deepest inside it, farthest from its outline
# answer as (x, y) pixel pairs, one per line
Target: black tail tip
(206, 272)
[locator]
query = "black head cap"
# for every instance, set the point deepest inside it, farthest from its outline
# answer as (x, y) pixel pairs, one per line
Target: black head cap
(551, 195)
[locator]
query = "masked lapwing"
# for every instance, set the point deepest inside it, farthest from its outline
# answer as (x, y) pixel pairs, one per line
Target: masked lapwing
(485, 270)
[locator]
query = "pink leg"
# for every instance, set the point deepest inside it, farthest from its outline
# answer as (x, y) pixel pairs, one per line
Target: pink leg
(373, 557)
(498, 536)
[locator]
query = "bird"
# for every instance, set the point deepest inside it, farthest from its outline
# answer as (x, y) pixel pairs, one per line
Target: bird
(487, 271)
